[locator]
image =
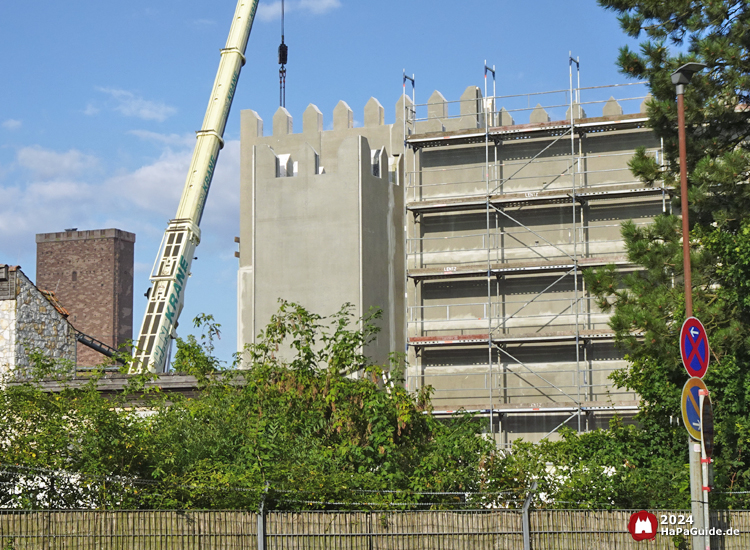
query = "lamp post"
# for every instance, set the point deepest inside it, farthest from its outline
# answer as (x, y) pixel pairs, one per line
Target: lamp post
(681, 78)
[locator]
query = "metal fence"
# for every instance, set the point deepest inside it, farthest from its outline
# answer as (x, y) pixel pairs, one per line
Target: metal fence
(127, 530)
(365, 530)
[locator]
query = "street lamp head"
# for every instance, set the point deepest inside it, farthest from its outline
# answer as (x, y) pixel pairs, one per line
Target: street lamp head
(682, 76)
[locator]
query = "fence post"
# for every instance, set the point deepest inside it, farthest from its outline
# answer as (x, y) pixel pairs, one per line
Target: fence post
(526, 522)
(262, 520)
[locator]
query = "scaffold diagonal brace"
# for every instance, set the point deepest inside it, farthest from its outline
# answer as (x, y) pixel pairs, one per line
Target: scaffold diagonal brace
(511, 218)
(532, 371)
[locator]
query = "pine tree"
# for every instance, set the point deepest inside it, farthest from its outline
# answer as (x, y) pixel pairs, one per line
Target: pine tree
(648, 305)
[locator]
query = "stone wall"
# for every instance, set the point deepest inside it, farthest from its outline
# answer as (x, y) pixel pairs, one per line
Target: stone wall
(30, 322)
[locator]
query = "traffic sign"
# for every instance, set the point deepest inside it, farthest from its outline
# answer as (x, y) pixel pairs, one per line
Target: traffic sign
(694, 347)
(691, 410)
(707, 427)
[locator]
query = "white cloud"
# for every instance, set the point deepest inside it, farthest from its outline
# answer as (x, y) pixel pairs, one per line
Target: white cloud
(91, 110)
(184, 140)
(141, 201)
(318, 6)
(132, 105)
(49, 193)
(45, 164)
(59, 194)
(45, 207)
(272, 11)
(155, 187)
(204, 22)
(12, 124)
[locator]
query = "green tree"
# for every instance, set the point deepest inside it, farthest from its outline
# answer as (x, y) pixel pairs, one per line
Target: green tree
(194, 357)
(306, 414)
(648, 305)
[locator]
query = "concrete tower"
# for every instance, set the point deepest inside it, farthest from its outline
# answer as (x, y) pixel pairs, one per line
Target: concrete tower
(322, 222)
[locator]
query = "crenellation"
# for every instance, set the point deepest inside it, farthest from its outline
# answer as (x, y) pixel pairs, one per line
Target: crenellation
(645, 102)
(404, 108)
(539, 115)
(472, 108)
(578, 112)
(282, 122)
(612, 108)
(437, 106)
(404, 122)
(504, 118)
(343, 116)
(374, 113)
(312, 120)
(252, 123)
(437, 114)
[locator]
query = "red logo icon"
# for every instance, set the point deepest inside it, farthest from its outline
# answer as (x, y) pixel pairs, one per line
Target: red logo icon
(642, 525)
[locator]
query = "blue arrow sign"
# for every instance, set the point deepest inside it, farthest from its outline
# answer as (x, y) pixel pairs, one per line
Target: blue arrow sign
(691, 411)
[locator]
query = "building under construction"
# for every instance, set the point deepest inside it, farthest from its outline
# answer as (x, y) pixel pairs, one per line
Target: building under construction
(504, 201)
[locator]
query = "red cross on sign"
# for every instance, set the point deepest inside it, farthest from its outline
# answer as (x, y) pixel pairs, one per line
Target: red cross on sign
(694, 347)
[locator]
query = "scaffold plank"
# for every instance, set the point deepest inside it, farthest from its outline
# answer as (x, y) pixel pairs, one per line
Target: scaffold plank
(526, 131)
(533, 266)
(473, 339)
(482, 409)
(529, 198)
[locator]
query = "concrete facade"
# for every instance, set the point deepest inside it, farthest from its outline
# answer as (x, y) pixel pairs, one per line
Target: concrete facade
(503, 217)
(504, 207)
(321, 222)
(91, 272)
(29, 322)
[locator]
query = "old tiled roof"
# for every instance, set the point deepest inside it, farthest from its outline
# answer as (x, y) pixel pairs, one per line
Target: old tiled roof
(50, 295)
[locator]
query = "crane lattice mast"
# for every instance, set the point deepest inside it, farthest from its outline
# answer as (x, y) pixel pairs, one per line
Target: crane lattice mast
(172, 267)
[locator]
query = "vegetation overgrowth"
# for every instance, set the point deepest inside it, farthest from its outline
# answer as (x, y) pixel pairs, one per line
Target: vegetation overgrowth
(307, 422)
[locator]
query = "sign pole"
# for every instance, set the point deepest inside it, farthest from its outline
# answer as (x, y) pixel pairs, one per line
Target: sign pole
(704, 488)
(705, 460)
(695, 490)
(680, 78)
(692, 397)
(696, 481)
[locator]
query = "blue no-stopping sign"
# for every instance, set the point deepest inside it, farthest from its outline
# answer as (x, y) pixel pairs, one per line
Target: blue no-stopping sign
(694, 347)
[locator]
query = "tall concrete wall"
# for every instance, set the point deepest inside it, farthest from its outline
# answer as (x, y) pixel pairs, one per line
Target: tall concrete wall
(91, 272)
(321, 222)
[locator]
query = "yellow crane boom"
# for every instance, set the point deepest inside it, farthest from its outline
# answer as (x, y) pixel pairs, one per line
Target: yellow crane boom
(172, 267)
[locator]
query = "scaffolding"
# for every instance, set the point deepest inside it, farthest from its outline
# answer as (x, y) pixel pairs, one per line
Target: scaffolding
(520, 210)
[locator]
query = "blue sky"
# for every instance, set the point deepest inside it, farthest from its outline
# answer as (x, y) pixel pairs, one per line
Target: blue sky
(100, 100)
